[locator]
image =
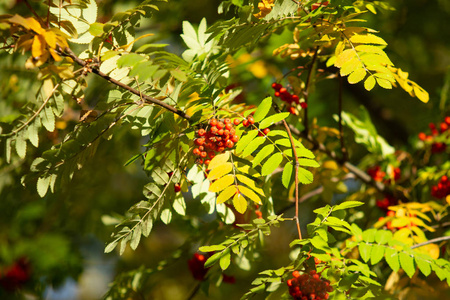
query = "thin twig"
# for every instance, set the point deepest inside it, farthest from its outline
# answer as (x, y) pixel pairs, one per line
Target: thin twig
(302, 199)
(34, 12)
(294, 154)
(69, 53)
(306, 93)
(439, 239)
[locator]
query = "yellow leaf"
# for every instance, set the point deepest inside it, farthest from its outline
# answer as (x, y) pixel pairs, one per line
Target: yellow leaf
(384, 83)
(357, 76)
(350, 66)
(431, 249)
(226, 194)
(447, 199)
(219, 160)
(38, 47)
(421, 94)
(240, 203)
(221, 183)
(55, 55)
(220, 171)
(34, 25)
(250, 194)
(367, 39)
(50, 38)
(330, 165)
(344, 57)
(339, 48)
(250, 183)
(369, 83)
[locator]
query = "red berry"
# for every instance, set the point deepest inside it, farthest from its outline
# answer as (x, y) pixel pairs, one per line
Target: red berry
(230, 144)
(199, 141)
(201, 132)
(203, 154)
(266, 131)
(443, 127)
(177, 187)
(213, 130)
(292, 110)
(227, 121)
(228, 126)
(220, 149)
(303, 105)
(422, 136)
(196, 151)
(236, 122)
(251, 120)
(447, 120)
(234, 138)
(207, 161)
(213, 122)
(277, 94)
(220, 125)
(245, 123)
(220, 132)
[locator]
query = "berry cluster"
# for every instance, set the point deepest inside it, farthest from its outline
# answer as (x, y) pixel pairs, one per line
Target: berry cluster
(287, 97)
(390, 214)
(444, 128)
(442, 189)
(197, 266)
(216, 138)
(308, 286)
(16, 275)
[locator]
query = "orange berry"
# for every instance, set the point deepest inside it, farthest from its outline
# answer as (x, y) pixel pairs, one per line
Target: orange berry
(213, 130)
(245, 123)
(203, 154)
(199, 141)
(220, 125)
(196, 151)
(207, 162)
(220, 149)
(251, 120)
(227, 121)
(228, 126)
(230, 144)
(266, 131)
(201, 132)
(236, 122)
(213, 122)
(220, 132)
(234, 138)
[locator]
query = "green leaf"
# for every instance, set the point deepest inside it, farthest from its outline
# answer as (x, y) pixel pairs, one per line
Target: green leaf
(288, 171)
(407, 263)
(262, 154)
(212, 248)
(263, 109)
(271, 164)
(273, 119)
(42, 185)
(225, 261)
(392, 258)
(21, 145)
(253, 146)
(377, 254)
(136, 237)
(383, 236)
(179, 75)
(33, 133)
(424, 265)
(245, 140)
(111, 246)
(213, 259)
(319, 243)
(129, 60)
(347, 204)
(305, 176)
(369, 235)
(96, 29)
(48, 119)
(306, 162)
(364, 251)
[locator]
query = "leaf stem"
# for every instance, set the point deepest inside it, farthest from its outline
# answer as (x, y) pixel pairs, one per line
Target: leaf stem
(306, 92)
(439, 239)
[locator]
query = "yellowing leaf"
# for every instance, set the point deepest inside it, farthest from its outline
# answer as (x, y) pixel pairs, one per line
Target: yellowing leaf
(221, 183)
(421, 94)
(226, 194)
(369, 83)
(250, 194)
(357, 76)
(240, 203)
(19, 20)
(50, 38)
(34, 25)
(220, 171)
(250, 183)
(38, 47)
(219, 160)
(384, 83)
(350, 66)
(344, 57)
(367, 39)
(339, 48)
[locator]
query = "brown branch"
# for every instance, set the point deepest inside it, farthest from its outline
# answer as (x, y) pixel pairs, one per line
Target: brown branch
(306, 93)
(34, 12)
(68, 52)
(439, 239)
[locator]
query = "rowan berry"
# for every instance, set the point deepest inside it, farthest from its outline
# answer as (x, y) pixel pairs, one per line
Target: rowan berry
(203, 154)
(236, 122)
(245, 123)
(177, 187)
(213, 130)
(199, 141)
(196, 151)
(213, 122)
(234, 138)
(303, 105)
(220, 125)
(227, 121)
(220, 149)
(220, 132)
(266, 131)
(230, 144)
(207, 161)
(201, 132)
(251, 120)
(422, 136)
(292, 110)
(228, 126)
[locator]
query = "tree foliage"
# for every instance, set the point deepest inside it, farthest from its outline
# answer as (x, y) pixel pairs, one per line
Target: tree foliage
(223, 170)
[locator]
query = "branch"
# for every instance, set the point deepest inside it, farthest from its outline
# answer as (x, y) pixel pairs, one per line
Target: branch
(439, 239)
(68, 52)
